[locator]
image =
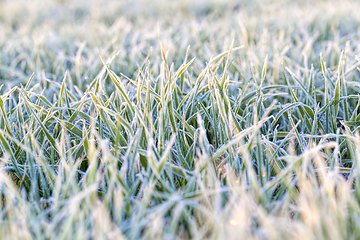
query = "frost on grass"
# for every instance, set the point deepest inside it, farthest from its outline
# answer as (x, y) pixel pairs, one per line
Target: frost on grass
(187, 119)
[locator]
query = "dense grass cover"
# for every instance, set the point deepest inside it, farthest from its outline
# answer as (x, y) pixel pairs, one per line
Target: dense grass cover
(187, 119)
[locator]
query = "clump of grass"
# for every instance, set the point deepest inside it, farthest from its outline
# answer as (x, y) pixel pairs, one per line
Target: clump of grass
(232, 126)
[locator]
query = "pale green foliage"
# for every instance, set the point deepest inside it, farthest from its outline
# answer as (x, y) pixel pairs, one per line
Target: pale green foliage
(187, 119)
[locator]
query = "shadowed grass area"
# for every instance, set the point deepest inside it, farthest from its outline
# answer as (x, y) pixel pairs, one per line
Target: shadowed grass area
(179, 119)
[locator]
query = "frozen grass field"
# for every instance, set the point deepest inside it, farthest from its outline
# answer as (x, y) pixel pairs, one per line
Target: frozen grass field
(179, 119)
